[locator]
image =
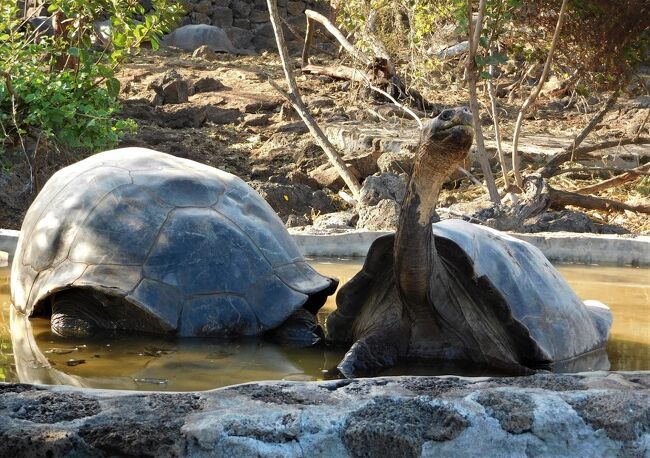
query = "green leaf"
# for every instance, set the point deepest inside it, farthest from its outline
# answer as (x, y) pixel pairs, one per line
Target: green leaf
(74, 52)
(113, 86)
(485, 75)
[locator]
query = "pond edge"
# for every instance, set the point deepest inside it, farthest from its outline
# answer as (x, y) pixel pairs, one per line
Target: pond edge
(566, 247)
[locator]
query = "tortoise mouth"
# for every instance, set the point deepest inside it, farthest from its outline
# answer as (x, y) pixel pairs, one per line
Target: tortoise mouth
(462, 134)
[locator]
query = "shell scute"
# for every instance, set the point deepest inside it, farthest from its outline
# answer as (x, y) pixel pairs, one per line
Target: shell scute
(119, 220)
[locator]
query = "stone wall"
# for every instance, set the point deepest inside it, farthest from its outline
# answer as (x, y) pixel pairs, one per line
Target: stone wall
(549, 415)
(247, 21)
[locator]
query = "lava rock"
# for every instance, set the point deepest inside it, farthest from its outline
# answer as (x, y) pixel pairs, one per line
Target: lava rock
(297, 199)
(388, 427)
(207, 84)
(381, 217)
(383, 186)
(396, 162)
(336, 220)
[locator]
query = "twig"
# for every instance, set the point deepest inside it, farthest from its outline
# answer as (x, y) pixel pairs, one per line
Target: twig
(395, 102)
(331, 28)
(638, 132)
(534, 94)
(630, 175)
(471, 177)
(572, 150)
(9, 85)
(22, 144)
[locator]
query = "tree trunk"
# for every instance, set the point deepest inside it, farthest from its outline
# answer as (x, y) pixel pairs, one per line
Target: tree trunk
(472, 76)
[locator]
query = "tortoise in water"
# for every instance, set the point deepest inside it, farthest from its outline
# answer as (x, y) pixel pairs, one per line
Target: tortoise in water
(456, 291)
(138, 240)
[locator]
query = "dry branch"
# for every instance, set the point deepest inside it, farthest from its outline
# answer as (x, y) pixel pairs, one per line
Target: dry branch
(571, 151)
(380, 69)
(534, 94)
(294, 98)
(341, 72)
(615, 181)
(331, 28)
(558, 198)
(539, 196)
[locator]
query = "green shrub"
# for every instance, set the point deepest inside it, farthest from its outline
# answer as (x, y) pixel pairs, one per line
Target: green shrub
(62, 88)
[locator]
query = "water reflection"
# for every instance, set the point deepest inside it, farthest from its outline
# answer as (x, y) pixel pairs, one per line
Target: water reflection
(195, 364)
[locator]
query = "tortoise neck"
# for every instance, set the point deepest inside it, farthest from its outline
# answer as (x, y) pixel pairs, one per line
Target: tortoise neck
(414, 252)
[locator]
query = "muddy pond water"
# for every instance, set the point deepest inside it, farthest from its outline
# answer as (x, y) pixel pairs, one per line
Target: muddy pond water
(147, 363)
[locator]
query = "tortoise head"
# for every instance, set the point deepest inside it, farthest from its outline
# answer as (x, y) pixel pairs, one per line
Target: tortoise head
(449, 135)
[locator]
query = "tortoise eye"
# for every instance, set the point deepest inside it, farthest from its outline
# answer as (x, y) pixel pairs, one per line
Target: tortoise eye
(446, 115)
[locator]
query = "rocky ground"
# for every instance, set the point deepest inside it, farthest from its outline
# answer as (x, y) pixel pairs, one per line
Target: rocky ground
(219, 109)
(591, 414)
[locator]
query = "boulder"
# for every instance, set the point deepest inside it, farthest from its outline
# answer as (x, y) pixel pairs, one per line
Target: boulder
(336, 220)
(180, 116)
(240, 35)
(295, 8)
(221, 16)
(207, 84)
(298, 177)
(222, 116)
(293, 199)
(204, 7)
(298, 221)
(193, 36)
(170, 87)
(256, 120)
(396, 162)
(327, 176)
(383, 186)
(364, 161)
(204, 52)
(241, 9)
(381, 217)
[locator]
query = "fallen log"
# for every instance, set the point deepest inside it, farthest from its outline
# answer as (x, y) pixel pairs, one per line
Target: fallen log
(559, 199)
(540, 196)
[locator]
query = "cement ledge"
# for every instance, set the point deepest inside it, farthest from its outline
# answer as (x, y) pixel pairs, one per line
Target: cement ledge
(588, 414)
(556, 246)
(8, 241)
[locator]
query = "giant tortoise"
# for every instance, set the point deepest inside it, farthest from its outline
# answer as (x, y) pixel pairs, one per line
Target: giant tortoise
(137, 240)
(457, 291)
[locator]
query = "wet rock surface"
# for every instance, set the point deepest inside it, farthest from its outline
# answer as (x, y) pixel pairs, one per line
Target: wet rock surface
(588, 414)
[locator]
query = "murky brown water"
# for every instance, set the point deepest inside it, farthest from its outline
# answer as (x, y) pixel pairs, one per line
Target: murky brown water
(197, 364)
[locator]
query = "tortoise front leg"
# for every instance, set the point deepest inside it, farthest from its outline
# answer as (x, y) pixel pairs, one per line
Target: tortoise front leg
(75, 313)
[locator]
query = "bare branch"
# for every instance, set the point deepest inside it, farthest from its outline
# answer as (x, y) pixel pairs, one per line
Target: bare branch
(535, 93)
(349, 47)
(570, 152)
(294, 97)
(630, 175)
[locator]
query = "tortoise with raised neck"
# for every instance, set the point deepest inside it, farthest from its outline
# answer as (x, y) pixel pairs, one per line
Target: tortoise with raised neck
(455, 291)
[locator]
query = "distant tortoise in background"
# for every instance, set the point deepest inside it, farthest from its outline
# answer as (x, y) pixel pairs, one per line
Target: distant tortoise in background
(457, 291)
(137, 240)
